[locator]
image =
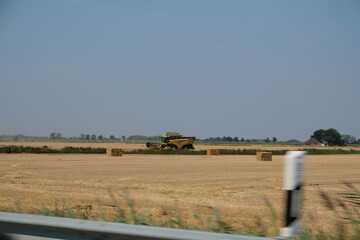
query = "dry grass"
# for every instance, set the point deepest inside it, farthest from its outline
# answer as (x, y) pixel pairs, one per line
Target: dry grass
(233, 184)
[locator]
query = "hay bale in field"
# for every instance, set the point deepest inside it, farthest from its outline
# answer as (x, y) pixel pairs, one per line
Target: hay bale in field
(115, 152)
(263, 156)
(213, 152)
(108, 151)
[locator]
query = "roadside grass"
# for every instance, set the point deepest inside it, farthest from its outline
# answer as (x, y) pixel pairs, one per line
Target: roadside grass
(344, 206)
(123, 210)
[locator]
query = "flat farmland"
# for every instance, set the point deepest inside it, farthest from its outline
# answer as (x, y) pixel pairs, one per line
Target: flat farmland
(133, 146)
(159, 184)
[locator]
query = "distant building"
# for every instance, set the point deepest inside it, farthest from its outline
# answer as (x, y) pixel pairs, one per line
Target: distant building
(314, 142)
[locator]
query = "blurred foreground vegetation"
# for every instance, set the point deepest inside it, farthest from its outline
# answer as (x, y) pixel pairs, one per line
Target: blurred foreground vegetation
(344, 207)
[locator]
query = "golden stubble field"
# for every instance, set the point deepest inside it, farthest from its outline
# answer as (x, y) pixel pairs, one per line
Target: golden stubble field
(233, 184)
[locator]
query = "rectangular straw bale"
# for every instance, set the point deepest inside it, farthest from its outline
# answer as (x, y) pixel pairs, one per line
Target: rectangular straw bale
(213, 152)
(263, 156)
(108, 151)
(114, 152)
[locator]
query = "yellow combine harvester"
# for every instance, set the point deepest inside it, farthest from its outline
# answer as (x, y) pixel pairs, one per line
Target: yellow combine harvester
(173, 140)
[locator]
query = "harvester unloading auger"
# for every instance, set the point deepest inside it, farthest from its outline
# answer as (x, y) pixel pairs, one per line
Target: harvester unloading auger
(173, 140)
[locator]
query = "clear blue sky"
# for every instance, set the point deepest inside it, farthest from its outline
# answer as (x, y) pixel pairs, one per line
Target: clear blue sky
(251, 69)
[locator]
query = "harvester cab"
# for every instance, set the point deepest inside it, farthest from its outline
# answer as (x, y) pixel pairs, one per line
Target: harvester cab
(173, 140)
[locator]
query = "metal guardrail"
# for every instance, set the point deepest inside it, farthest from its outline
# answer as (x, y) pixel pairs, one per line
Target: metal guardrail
(14, 226)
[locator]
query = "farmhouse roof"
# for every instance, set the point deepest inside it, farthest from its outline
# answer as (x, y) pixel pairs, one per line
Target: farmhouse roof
(313, 141)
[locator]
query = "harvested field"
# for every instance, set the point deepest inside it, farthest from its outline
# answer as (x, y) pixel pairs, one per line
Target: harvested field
(233, 184)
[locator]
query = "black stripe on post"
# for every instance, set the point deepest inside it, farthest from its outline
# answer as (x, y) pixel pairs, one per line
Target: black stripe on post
(293, 201)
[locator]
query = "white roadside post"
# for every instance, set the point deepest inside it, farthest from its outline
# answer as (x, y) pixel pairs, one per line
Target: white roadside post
(294, 179)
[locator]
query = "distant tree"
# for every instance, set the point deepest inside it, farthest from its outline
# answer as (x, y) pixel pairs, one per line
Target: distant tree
(242, 140)
(123, 137)
(156, 138)
(53, 135)
(236, 139)
(16, 138)
(112, 137)
(293, 141)
(274, 139)
(87, 137)
(138, 137)
(83, 136)
(330, 136)
(319, 134)
(93, 137)
(100, 137)
(348, 139)
(333, 137)
(267, 140)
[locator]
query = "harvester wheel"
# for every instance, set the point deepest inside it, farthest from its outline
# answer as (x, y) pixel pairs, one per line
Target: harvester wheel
(190, 146)
(173, 147)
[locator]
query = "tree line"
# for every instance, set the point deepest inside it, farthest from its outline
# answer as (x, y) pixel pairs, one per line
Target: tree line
(237, 139)
(331, 137)
(94, 137)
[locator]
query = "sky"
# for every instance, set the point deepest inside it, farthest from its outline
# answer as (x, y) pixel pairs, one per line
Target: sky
(204, 68)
